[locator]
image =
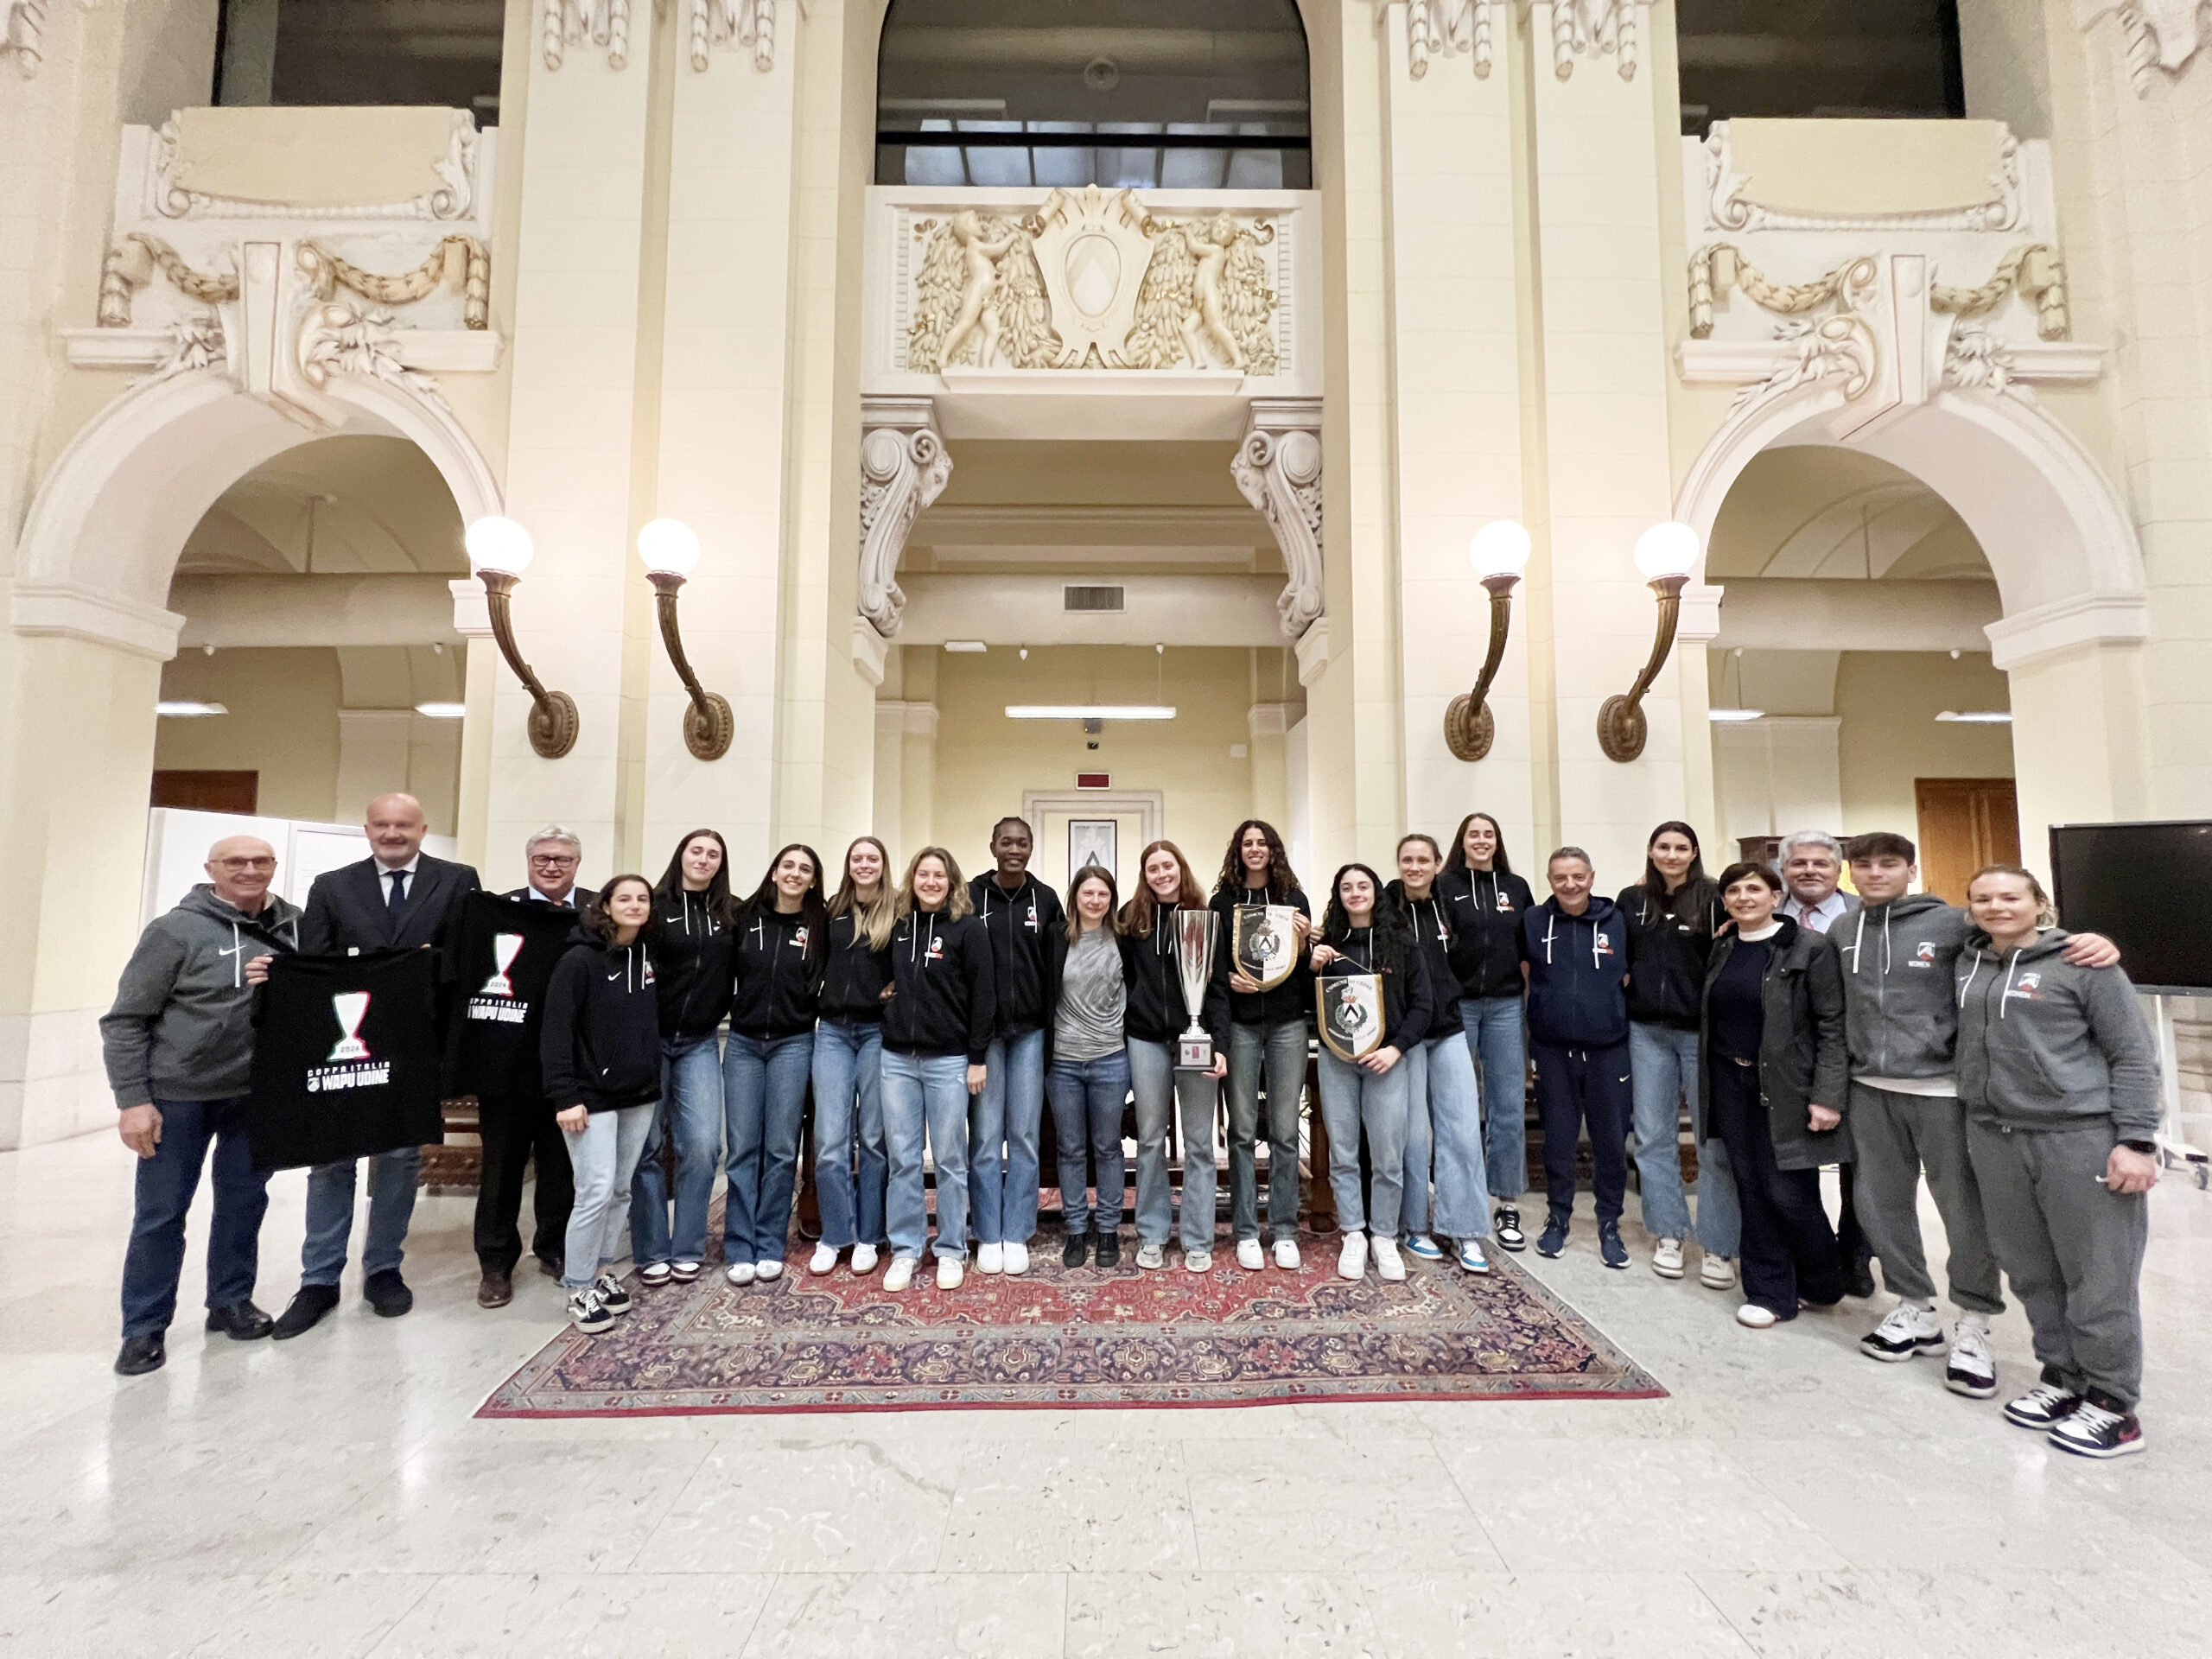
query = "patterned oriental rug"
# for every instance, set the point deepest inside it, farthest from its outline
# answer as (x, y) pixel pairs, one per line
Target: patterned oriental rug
(1060, 1338)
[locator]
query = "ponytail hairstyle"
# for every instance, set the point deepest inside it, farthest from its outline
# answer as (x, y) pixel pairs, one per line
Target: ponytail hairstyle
(814, 914)
(1093, 872)
(1142, 913)
(873, 918)
(1393, 932)
(1282, 883)
(596, 921)
(1456, 858)
(957, 903)
(722, 904)
(2046, 913)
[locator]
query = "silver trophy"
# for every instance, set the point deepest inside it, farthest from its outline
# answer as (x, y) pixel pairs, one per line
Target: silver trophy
(1195, 934)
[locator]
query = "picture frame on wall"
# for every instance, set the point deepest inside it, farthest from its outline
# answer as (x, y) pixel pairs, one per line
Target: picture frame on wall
(1090, 841)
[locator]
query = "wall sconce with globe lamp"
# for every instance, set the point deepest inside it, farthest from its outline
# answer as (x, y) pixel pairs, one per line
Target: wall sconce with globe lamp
(1499, 553)
(500, 551)
(671, 551)
(1665, 555)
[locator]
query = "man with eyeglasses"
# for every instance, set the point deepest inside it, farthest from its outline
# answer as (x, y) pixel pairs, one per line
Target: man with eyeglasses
(553, 854)
(399, 897)
(179, 1049)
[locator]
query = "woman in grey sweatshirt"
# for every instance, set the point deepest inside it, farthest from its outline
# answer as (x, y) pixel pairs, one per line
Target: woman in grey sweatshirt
(2060, 1082)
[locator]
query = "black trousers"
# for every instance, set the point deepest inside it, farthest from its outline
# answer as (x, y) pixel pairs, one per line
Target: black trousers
(515, 1131)
(1575, 1086)
(1788, 1250)
(1850, 1237)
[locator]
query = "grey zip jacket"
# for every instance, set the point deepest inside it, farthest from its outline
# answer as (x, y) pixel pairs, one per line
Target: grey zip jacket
(1901, 1014)
(2045, 1044)
(182, 1027)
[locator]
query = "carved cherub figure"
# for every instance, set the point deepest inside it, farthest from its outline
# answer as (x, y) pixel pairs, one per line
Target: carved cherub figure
(980, 257)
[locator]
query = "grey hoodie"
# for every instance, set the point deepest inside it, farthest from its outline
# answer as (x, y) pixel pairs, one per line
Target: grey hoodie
(1901, 1017)
(182, 1027)
(2044, 1044)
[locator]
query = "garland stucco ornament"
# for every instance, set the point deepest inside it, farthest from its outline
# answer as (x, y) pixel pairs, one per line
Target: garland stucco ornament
(564, 24)
(730, 25)
(1448, 29)
(24, 37)
(2163, 37)
(1596, 28)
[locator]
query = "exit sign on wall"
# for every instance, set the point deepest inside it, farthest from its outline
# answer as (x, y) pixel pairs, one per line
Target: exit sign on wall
(1092, 780)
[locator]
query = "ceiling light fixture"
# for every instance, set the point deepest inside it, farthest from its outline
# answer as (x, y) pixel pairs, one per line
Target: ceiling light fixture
(442, 710)
(1977, 717)
(965, 646)
(1088, 711)
(1734, 717)
(186, 710)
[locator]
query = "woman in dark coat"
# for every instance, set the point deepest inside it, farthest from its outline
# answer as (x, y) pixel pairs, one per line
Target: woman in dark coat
(1771, 1087)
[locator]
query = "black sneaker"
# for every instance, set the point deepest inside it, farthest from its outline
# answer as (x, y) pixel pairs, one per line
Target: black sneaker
(1610, 1250)
(140, 1354)
(612, 1296)
(241, 1321)
(387, 1293)
(2045, 1406)
(1507, 1229)
(1109, 1249)
(2098, 1428)
(588, 1312)
(1555, 1236)
(1076, 1251)
(308, 1305)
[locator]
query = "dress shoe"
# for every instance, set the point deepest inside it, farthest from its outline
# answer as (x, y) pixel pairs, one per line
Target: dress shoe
(140, 1354)
(1110, 1250)
(1858, 1276)
(552, 1267)
(495, 1289)
(1076, 1251)
(241, 1321)
(307, 1307)
(387, 1293)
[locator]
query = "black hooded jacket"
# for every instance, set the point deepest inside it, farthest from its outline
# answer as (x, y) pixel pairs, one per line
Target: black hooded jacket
(1155, 1010)
(1575, 966)
(1485, 908)
(776, 988)
(1407, 1002)
(1029, 943)
(1433, 931)
(853, 977)
(600, 1047)
(1669, 942)
(694, 965)
(1292, 999)
(944, 999)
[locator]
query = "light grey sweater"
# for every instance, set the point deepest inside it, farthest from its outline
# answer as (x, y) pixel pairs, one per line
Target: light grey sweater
(1093, 998)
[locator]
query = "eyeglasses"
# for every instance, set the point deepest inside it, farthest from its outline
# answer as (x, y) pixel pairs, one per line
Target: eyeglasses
(553, 861)
(245, 863)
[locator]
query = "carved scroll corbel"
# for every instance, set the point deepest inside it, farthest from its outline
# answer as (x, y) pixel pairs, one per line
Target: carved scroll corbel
(903, 467)
(1278, 470)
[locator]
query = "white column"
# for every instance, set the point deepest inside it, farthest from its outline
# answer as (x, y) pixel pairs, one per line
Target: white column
(1268, 724)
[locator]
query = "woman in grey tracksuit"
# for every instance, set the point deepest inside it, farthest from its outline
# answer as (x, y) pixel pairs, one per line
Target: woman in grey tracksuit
(2060, 1082)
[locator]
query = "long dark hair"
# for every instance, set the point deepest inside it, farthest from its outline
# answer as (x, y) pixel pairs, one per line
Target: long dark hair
(1092, 873)
(1456, 858)
(1393, 934)
(814, 912)
(596, 921)
(722, 904)
(1281, 882)
(1142, 913)
(1697, 887)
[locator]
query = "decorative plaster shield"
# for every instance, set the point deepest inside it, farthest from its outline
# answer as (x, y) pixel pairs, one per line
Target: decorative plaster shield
(1092, 251)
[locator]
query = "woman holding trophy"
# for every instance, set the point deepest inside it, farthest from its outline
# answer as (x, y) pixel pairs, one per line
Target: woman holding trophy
(1373, 1000)
(1178, 1049)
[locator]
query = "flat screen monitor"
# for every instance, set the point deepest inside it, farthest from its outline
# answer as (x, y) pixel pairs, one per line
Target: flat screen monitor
(2148, 888)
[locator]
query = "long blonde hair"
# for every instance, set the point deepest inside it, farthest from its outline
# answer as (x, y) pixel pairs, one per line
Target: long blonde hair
(956, 901)
(873, 918)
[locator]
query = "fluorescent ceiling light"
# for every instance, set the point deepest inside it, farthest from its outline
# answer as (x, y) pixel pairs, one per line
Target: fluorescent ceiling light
(189, 710)
(1088, 711)
(1734, 717)
(1978, 717)
(965, 645)
(442, 710)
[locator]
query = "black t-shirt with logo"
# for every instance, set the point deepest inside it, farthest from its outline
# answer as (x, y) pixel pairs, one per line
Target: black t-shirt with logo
(345, 1058)
(505, 954)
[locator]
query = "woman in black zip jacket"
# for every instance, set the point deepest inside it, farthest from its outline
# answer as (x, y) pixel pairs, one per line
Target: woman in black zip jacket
(1444, 1125)
(1267, 1038)
(1154, 1021)
(1672, 916)
(936, 1029)
(696, 910)
(848, 1062)
(781, 939)
(1483, 902)
(599, 1052)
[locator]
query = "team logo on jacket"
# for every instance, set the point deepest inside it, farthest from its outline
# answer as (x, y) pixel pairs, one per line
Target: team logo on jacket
(1033, 928)
(936, 952)
(350, 1065)
(799, 938)
(505, 947)
(2026, 985)
(1605, 944)
(1924, 956)
(1504, 902)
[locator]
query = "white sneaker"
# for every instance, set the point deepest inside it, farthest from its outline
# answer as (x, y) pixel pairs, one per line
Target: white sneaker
(1197, 1261)
(824, 1259)
(990, 1258)
(1248, 1256)
(950, 1273)
(1758, 1317)
(1970, 1369)
(1017, 1260)
(1152, 1256)
(1388, 1265)
(1909, 1328)
(1286, 1256)
(1667, 1258)
(738, 1273)
(768, 1270)
(1717, 1273)
(901, 1274)
(1352, 1260)
(863, 1261)
(1471, 1256)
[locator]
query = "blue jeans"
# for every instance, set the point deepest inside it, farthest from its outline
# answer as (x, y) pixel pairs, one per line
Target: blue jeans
(1158, 1087)
(1442, 1109)
(1277, 1052)
(926, 1094)
(1354, 1098)
(155, 1261)
(604, 1154)
(1499, 1043)
(1662, 1065)
(393, 1176)
(690, 1106)
(849, 1117)
(1002, 1142)
(764, 1096)
(1087, 1099)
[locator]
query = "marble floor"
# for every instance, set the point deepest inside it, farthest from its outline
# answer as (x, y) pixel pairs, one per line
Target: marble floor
(333, 1496)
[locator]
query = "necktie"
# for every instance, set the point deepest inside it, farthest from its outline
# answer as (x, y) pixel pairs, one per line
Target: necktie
(395, 900)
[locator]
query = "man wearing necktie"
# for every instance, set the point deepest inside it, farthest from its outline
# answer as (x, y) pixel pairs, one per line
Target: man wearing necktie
(399, 897)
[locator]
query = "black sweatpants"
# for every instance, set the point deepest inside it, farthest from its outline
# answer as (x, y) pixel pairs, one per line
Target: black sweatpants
(1788, 1249)
(515, 1131)
(1575, 1086)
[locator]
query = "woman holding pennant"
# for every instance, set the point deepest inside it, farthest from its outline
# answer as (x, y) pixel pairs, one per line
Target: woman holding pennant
(1372, 996)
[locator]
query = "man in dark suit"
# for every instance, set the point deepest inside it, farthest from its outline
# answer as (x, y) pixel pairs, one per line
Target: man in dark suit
(399, 897)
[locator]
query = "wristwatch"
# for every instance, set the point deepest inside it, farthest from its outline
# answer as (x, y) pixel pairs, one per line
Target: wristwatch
(2148, 1148)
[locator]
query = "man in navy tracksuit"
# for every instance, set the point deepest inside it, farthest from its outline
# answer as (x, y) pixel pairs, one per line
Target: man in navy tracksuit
(1576, 954)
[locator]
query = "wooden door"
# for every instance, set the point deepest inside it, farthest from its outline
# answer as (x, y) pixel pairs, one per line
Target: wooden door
(1965, 823)
(207, 791)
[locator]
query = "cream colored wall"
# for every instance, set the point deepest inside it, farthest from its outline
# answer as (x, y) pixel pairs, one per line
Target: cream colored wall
(985, 761)
(1888, 702)
(283, 724)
